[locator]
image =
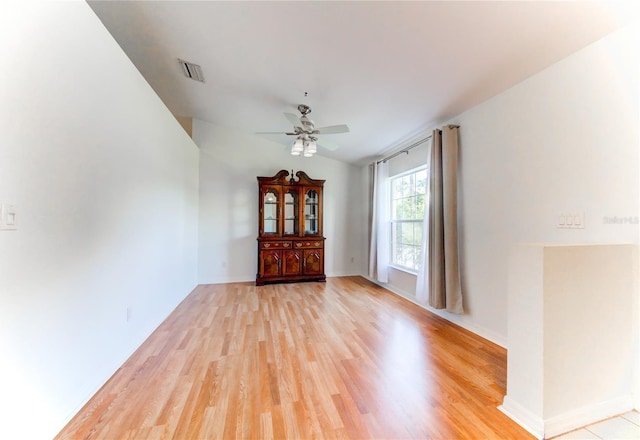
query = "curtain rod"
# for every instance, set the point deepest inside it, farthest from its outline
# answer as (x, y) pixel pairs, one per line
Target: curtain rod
(405, 150)
(415, 144)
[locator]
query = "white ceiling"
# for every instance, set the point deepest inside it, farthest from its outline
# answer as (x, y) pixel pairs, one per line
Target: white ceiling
(388, 70)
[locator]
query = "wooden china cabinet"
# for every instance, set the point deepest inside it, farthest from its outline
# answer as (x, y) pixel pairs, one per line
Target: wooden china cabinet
(290, 241)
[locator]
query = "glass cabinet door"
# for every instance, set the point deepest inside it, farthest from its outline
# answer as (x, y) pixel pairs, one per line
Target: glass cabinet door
(311, 212)
(291, 212)
(271, 211)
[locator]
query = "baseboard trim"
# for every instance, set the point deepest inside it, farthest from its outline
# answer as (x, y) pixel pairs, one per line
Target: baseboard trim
(523, 417)
(587, 415)
(475, 329)
(563, 423)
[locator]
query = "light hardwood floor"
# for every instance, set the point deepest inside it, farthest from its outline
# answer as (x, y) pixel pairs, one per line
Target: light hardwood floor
(341, 359)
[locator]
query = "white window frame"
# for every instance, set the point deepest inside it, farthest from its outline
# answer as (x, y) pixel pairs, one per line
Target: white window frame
(393, 222)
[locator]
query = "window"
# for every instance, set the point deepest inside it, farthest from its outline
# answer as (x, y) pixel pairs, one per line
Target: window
(408, 196)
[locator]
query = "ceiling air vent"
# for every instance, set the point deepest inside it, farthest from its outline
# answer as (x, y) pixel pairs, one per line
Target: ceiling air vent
(191, 70)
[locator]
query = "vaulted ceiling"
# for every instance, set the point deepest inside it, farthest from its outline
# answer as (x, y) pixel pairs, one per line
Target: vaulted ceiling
(388, 70)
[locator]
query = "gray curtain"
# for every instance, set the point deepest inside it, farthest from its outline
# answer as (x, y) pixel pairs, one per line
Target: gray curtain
(439, 278)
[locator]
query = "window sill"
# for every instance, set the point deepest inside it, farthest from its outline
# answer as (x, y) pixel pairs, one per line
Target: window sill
(404, 269)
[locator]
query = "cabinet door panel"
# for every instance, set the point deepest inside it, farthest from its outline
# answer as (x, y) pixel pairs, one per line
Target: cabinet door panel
(313, 262)
(270, 263)
(270, 210)
(292, 263)
(312, 211)
(292, 211)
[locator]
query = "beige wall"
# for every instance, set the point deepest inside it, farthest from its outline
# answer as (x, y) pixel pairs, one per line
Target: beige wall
(186, 123)
(571, 335)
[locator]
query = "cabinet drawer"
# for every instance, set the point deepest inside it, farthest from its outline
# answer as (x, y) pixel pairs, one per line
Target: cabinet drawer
(275, 245)
(308, 244)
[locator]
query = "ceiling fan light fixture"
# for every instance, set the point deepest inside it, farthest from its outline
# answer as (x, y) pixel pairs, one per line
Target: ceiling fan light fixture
(311, 147)
(305, 131)
(307, 153)
(298, 146)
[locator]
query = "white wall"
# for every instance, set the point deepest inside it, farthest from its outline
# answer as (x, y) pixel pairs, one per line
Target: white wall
(229, 164)
(564, 139)
(106, 186)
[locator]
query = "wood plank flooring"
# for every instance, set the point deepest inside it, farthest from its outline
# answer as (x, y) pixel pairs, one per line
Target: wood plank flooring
(344, 359)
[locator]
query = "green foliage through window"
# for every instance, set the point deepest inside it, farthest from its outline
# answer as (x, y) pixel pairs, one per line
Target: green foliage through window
(408, 198)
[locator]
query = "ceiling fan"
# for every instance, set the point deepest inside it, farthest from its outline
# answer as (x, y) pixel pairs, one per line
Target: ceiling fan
(307, 133)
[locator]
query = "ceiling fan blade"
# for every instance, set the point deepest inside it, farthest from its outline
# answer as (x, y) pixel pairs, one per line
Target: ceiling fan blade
(332, 129)
(324, 143)
(295, 121)
(277, 132)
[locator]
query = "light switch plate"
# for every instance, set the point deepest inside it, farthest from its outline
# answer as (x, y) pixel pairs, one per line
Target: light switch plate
(8, 217)
(578, 220)
(571, 220)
